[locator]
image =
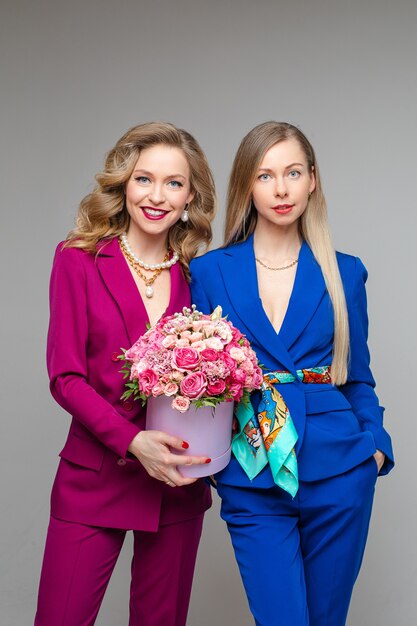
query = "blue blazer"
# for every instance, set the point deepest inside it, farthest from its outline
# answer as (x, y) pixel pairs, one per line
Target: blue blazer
(338, 427)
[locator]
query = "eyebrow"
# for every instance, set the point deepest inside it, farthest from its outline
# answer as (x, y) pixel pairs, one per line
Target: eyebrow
(146, 173)
(267, 169)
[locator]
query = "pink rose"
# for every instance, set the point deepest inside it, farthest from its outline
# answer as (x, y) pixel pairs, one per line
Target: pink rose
(258, 378)
(170, 389)
(134, 372)
(177, 376)
(147, 380)
(236, 334)
(223, 331)
(182, 343)
(237, 354)
(214, 343)
(185, 358)
(158, 389)
(216, 387)
(196, 337)
(228, 361)
(180, 403)
(209, 354)
(208, 328)
(169, 341)
(193, 385)
(198, 345)
(236, 390)
(239, 376)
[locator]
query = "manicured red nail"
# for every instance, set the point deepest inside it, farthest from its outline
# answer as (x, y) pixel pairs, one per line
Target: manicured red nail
(207, 461)
(185, 445)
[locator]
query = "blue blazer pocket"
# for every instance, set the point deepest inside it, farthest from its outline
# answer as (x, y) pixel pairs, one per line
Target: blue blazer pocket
(85, 452)
(326, 400)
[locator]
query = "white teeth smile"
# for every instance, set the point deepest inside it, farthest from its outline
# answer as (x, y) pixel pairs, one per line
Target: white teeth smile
(155, 212)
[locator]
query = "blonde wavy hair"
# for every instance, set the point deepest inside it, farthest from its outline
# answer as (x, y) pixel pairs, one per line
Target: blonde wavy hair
(241, 220)
(102, 214)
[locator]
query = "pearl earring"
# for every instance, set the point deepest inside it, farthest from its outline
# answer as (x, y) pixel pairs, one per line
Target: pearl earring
(184, 215)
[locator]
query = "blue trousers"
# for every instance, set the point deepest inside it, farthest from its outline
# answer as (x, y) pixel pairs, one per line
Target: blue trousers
(299, 558)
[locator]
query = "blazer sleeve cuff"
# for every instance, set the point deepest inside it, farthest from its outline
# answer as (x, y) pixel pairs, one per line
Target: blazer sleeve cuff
(383, 443)
(125, 437)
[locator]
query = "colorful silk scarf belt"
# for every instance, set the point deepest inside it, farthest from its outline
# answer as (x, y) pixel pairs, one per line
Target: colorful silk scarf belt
(270, 436)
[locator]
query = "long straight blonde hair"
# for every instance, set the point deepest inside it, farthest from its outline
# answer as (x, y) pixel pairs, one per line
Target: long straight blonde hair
(102, 214)
(241, 218)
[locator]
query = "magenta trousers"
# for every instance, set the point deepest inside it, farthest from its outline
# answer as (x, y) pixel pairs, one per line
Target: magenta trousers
(79, 561)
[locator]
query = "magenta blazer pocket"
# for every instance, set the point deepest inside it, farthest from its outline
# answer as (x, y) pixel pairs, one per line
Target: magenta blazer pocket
(84, 452)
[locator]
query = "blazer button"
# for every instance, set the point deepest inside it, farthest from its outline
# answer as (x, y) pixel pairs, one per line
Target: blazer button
(127, 405)
(114, 357)
(121, 462)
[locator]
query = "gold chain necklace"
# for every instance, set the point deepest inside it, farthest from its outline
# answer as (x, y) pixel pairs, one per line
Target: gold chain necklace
(149, 291)
(284, 267)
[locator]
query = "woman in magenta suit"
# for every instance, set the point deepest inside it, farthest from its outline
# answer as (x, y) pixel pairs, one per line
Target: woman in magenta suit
(122, 267)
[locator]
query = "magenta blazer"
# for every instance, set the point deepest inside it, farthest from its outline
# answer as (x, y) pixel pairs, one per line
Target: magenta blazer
(96, 310)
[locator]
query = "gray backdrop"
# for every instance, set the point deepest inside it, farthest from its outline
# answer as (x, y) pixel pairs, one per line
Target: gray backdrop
(75, 76)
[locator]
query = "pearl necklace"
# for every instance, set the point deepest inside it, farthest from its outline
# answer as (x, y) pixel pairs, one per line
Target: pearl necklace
(156, 266)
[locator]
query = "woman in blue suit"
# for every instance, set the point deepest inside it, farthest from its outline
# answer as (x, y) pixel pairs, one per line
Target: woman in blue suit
(297, 494)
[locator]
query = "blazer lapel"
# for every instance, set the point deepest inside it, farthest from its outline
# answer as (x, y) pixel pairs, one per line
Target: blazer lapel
(308, 291)
(238, 267)
(119, 281)
(180, 292)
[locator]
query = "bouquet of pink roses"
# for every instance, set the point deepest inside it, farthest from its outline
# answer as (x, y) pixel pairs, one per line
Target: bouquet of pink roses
(195, 359)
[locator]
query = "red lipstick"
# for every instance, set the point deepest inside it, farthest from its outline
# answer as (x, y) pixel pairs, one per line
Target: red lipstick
(282, 209)
(152, 213)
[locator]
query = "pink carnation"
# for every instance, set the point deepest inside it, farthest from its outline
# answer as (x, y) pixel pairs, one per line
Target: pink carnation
(193, 385)
(214, 369)
(247, 366)
(180, 403)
